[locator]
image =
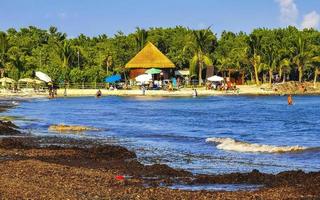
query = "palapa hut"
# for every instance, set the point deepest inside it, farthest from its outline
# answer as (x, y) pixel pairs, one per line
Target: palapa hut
(150, 57)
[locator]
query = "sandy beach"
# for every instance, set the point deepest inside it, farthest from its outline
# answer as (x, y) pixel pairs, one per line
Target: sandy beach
(252, 90)
(37, 167)
(184, 92)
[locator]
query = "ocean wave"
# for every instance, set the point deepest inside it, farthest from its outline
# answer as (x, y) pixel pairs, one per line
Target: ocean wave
(230, 144)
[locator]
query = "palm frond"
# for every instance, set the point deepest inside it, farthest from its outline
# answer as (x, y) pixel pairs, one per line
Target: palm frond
(206, 60)
(194, 65)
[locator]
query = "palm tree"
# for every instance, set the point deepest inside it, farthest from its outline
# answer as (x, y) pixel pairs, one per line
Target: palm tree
(224, 63)
(3, 51)
(254, 52)
(301, 55)
(314, 63)
(271, 60)
(284, 56)
(65, 52)
(316, 66)
(284, 68)
(140, 37)
(109, 62)
(199, 47)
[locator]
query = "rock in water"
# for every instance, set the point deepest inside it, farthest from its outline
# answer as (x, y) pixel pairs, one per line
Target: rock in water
(71, 128)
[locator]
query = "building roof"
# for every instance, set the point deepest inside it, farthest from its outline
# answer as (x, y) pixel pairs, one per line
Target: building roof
(150, 57)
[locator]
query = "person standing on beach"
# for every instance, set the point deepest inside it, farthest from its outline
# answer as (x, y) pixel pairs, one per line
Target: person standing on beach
(195, 93)
(290, 101)
(51, 91)
(143, 90)
(98, 94)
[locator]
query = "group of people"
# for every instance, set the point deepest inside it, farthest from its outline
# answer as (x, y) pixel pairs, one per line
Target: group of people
(228, 86)
(52, 90)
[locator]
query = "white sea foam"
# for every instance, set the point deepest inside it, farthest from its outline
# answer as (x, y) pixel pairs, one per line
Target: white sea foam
(15, 103)
(230, 144)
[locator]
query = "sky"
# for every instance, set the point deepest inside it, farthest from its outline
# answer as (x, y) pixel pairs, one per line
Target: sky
(94, 17)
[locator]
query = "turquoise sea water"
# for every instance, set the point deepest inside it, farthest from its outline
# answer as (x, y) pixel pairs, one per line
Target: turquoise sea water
(245, 132)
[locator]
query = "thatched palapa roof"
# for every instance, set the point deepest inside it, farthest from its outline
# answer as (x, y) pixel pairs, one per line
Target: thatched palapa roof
(150, 57)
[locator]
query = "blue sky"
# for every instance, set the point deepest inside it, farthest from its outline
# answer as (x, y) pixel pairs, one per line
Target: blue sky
(94, 17)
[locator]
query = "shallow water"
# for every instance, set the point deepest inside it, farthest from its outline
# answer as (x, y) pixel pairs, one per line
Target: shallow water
(174, 131)
(217, 187)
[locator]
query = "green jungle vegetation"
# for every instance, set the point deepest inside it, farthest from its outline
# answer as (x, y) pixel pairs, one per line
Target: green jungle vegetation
(291, 53)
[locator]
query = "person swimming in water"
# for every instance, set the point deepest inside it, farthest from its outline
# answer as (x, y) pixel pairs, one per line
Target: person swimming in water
(290, 101)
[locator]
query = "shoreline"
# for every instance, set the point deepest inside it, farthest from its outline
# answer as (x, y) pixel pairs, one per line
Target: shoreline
(62, 167)
(244, 90)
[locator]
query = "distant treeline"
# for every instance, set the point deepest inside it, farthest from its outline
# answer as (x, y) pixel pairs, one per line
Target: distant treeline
(288, 52)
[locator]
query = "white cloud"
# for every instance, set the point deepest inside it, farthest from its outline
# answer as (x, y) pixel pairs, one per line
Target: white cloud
(311, 20)
(288, 12)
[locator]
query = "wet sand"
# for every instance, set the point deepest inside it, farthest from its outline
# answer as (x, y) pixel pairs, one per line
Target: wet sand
(65, 168)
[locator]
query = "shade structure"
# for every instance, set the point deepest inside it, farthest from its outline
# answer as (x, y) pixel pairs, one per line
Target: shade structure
(182, 72)
(150, 57)
(144, 78)
(44, 77)
(215, 78)
(30, 80)
(113, 79)
(153, 71)
(7, 80)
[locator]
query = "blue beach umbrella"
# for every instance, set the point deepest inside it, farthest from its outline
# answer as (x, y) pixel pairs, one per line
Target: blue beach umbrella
(113, 79)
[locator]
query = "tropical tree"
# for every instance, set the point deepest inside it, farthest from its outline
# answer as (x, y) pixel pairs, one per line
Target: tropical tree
(284, 68)
(108, 62)
(283, 55)
(271, 60)
(290, 52)
(301, 55)
(316, 65)
(230, 53)
(140, 37)
(65, 52)
(314, 62)
(203, 40)
(254, 54)
(4, 46)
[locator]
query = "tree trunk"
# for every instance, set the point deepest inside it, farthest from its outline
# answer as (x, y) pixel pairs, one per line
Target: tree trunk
(65, 89)
(264, 78)
(256, 74)
(284, 78)
(300, 69)
(242, 78)
(200, 72)
(270, 77)
(316, 72)
(280, 73)
(65, 67)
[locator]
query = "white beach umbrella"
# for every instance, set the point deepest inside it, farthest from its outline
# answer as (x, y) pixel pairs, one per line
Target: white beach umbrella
(44, 77)
(215, 78)
(144, 78)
